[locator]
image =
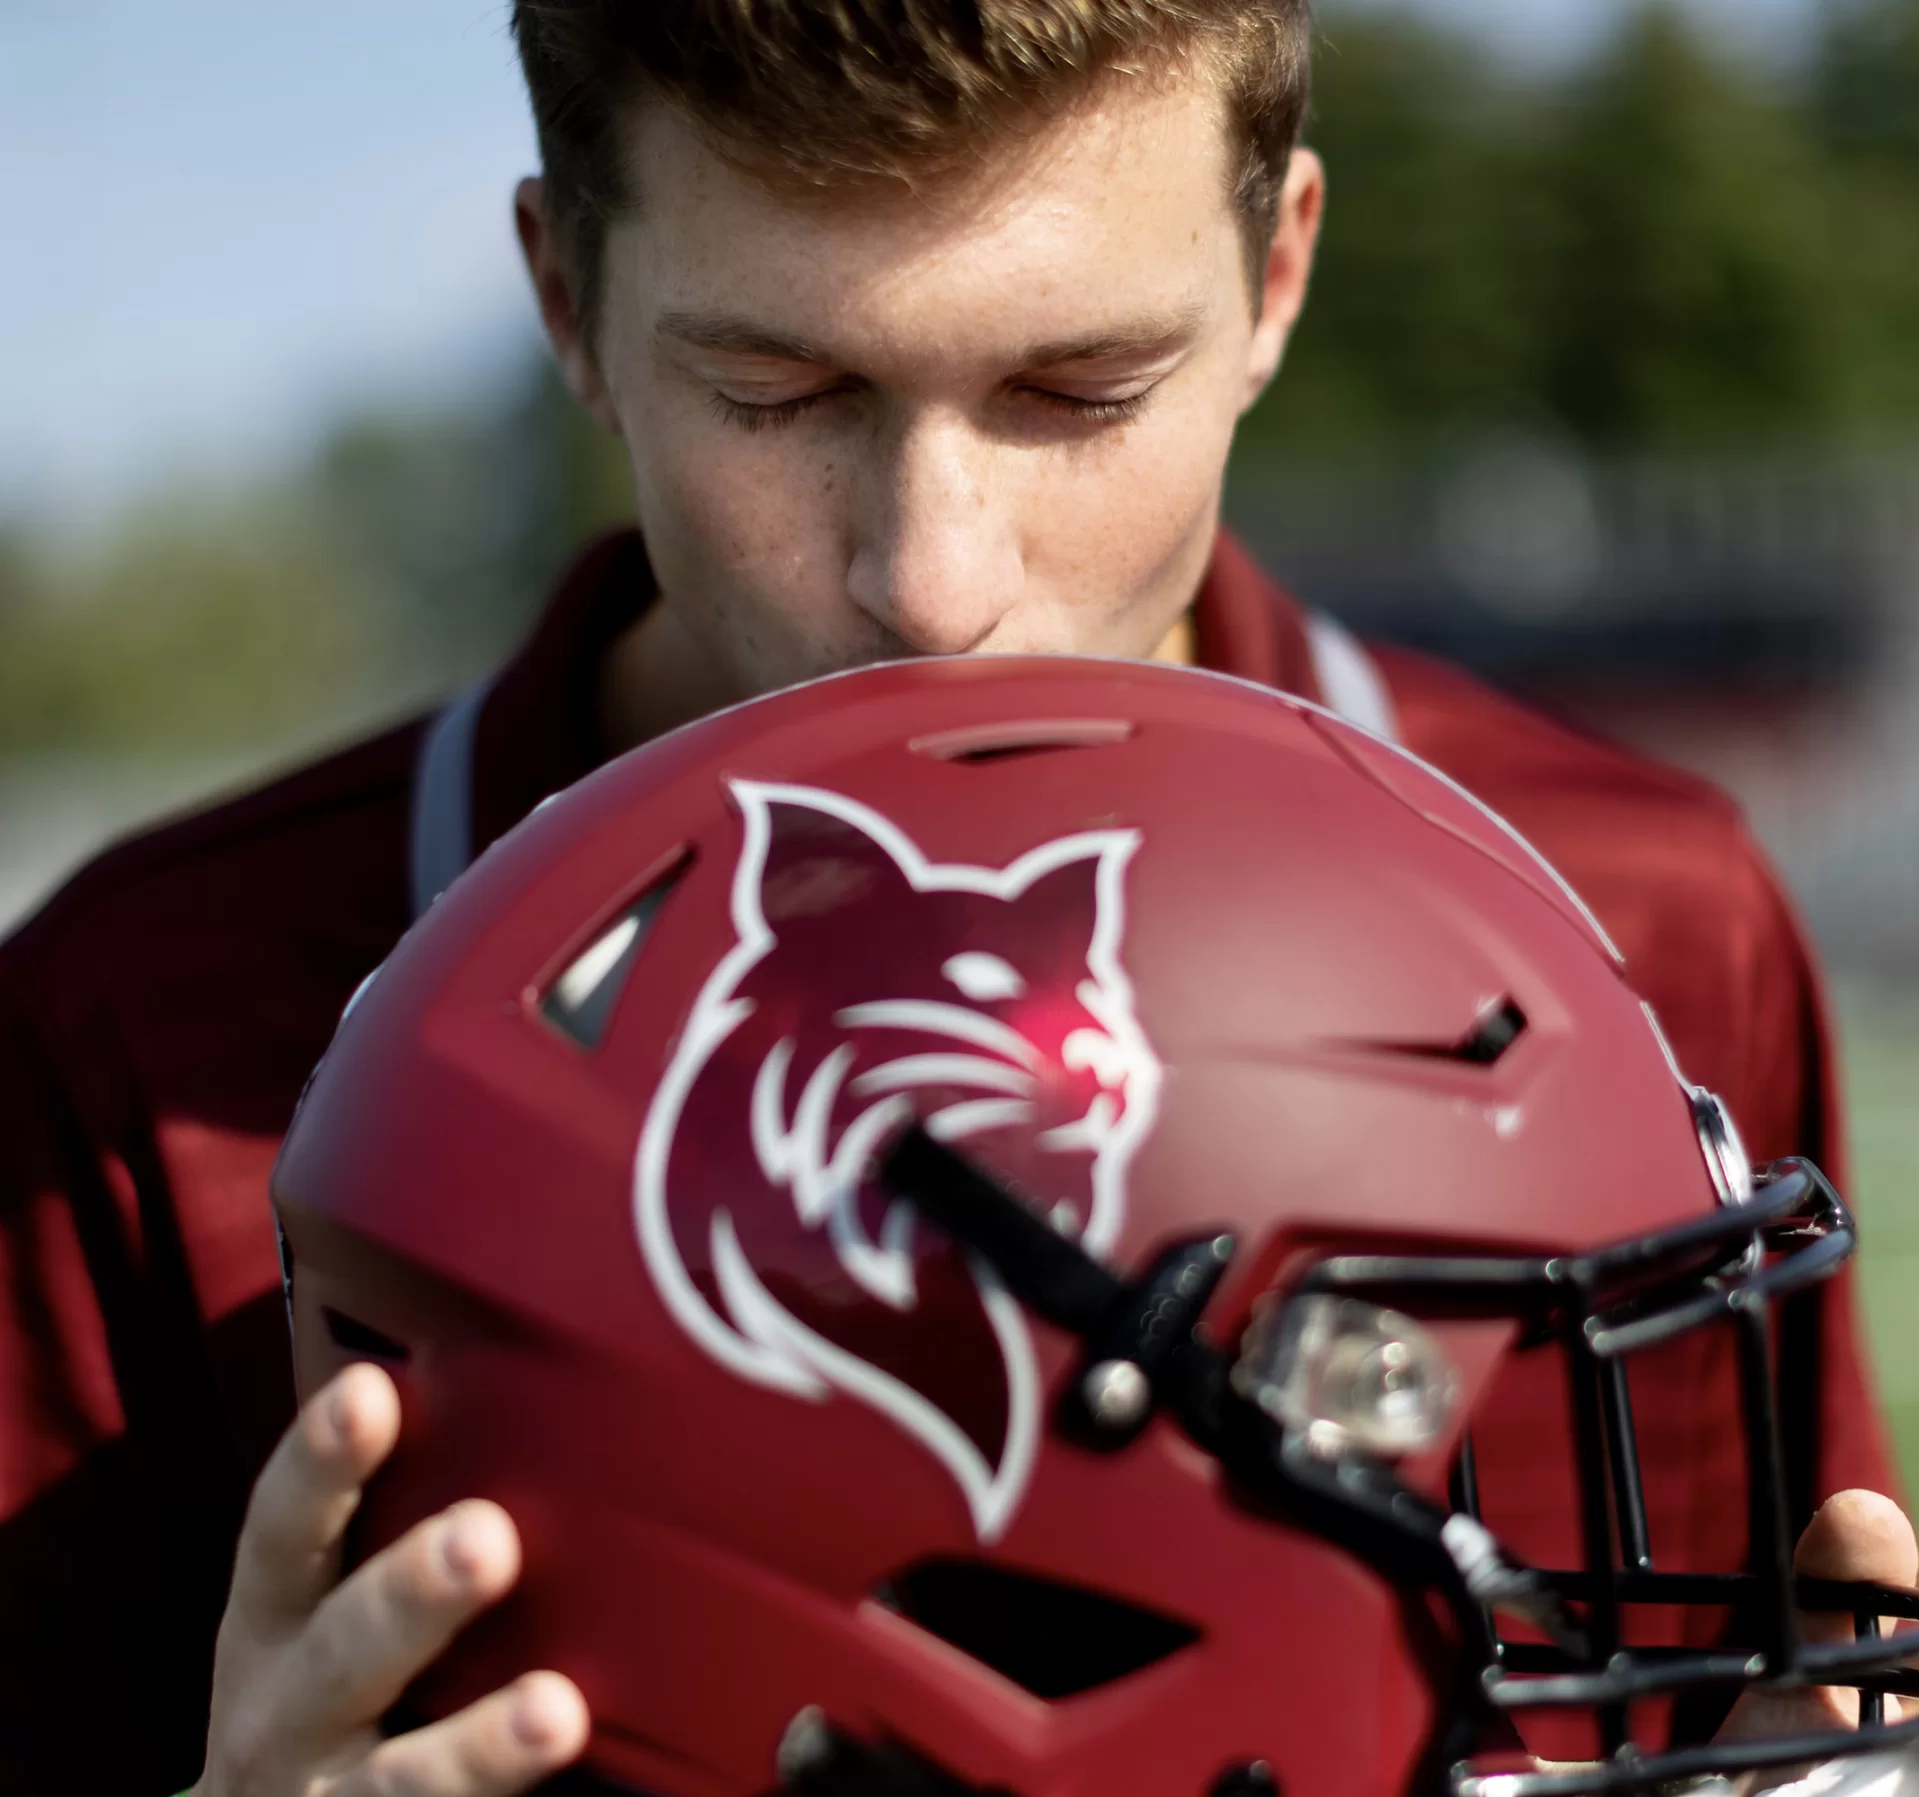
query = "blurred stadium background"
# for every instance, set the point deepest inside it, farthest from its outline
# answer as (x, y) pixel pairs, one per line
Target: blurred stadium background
(1609, 388)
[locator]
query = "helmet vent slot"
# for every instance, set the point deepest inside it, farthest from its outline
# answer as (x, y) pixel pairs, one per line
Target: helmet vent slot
(1051, 1639)
(1494, 1032)
(982, 743)
(580, 1001)
(362, 1340)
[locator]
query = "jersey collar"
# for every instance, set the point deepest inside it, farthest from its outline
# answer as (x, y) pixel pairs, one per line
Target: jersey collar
(502, 747)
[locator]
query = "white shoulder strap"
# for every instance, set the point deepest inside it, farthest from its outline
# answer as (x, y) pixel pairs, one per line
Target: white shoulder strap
(442, 827)
(1350, 682)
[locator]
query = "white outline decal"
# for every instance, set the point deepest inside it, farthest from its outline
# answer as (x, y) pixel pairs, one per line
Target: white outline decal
(758, 1339)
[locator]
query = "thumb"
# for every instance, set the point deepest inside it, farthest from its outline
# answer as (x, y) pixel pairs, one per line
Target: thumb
(1856, 1535)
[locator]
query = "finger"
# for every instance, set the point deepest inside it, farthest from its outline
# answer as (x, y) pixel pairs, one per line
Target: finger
(1856, 1535)
(289, 1547)
(505, 1743)
(373, 1635)
(1859, 1535)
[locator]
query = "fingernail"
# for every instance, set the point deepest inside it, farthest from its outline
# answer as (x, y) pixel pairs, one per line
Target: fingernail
(464, 1544)
(539, 1718)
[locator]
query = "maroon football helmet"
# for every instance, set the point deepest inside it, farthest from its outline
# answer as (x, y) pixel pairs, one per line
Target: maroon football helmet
(967, 1209)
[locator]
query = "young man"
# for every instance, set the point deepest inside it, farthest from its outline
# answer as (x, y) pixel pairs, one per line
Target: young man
(926, 330)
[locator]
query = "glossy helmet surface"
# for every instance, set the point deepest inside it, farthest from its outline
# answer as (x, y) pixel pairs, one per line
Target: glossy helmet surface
(966, 1210)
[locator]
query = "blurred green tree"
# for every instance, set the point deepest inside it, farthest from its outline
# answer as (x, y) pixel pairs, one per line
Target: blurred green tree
(407, 556)
(1862, 94)
(1422, 318)
(1864, 85)
(17, 572)
(455, 524)
(195, 627)
(1669, 249)
(1690, 297)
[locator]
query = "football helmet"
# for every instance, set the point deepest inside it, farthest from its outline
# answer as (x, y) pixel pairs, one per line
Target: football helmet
(972, 1212)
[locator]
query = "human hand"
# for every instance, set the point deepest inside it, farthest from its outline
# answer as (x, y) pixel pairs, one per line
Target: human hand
(1856, 1535)
(306, 1664)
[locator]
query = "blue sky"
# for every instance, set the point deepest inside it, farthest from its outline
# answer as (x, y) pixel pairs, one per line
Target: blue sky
(226, 220)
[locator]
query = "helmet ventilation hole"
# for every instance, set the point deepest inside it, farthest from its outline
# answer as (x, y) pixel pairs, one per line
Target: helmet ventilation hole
(983, 743)
(1494, 1031)
(580, 1001)
(361, 1340)
(1254, 1779)
(1051, 1639)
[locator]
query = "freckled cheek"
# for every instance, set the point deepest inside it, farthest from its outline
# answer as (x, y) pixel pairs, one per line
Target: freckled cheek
(765, 506)
(1109, 518)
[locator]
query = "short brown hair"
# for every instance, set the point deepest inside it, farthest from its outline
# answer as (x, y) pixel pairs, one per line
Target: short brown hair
(840, 91)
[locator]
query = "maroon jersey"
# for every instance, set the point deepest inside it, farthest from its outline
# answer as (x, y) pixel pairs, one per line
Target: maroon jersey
(159, 1016)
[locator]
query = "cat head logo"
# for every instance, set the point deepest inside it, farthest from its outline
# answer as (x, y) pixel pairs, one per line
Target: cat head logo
(868, 985)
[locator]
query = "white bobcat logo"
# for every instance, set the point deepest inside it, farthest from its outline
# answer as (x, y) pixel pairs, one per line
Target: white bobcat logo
(868, 985)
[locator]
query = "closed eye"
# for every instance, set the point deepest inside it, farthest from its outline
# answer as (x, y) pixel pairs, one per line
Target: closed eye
(1090, 411)
(750, 417)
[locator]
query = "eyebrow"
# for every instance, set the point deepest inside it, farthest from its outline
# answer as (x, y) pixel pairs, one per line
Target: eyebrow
(1138, 338)
(738, 337)
(734, 337)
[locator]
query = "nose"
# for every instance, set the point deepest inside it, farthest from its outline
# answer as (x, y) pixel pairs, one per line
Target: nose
(936, 554)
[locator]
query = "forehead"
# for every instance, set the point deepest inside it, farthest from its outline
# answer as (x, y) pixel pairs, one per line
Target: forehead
(1122, 202)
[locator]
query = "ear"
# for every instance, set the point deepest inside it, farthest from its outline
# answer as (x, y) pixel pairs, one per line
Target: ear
(1289, 268)
(559, 308)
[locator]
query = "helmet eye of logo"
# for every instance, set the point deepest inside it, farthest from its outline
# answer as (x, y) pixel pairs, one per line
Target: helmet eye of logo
(983, 977)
